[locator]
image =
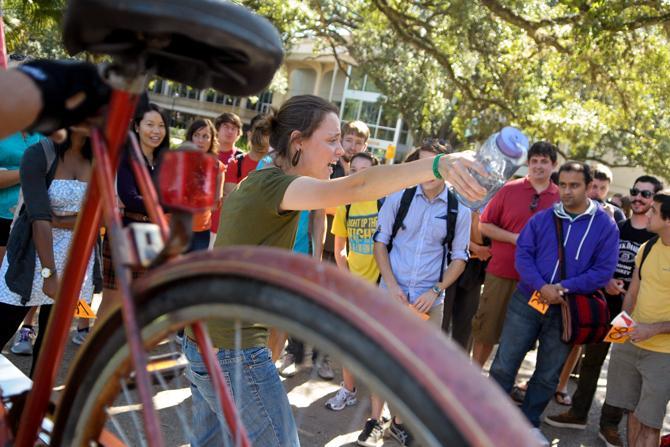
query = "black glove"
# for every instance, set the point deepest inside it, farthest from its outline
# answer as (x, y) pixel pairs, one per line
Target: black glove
(60, 81)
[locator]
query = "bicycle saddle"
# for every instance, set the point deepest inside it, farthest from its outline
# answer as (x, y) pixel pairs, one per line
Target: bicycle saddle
(202, 43)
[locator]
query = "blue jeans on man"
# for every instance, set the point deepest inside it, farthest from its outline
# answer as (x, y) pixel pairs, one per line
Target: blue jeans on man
(523, 327)
(260, 399)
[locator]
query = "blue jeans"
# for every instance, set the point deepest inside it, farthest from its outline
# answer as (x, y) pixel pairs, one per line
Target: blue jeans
(259, 396)
(523, 326)
(199, 241)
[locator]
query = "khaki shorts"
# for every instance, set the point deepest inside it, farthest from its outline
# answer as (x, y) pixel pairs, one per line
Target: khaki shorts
(488, 321)
(638, 381)
(435, 315)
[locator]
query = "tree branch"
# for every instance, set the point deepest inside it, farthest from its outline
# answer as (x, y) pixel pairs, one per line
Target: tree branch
(395, 20)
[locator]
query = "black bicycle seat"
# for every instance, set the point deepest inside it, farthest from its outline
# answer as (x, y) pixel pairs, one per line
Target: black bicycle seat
(202, 43)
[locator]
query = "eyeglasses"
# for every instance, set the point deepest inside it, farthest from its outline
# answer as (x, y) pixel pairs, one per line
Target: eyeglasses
(535, 202)
(646, 194)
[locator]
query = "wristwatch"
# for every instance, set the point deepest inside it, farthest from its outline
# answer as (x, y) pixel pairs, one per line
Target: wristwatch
(46, 272)
(438, 291)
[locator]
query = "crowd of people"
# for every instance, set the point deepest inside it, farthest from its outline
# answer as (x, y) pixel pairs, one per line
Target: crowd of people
(473, 273)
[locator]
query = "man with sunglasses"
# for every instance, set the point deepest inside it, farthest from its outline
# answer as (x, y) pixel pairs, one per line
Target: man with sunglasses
(502, 221)
(600, 187)
(632, 234)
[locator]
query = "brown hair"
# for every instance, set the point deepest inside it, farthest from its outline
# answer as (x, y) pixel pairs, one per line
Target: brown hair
(368, 156)
(303, 113)
(258, 132)
(431, 145)
(231, 118)
(357, 128)
(199, 124)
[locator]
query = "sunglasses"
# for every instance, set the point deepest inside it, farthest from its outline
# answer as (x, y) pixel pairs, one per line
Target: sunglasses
(535, 202)
(646, 194)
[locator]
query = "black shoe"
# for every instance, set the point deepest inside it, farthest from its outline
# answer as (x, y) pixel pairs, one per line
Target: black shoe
(518, 395)
(372, 434)
(400, 433)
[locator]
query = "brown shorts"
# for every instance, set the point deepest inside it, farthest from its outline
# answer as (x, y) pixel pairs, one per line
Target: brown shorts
(488, 321)
(108, 274)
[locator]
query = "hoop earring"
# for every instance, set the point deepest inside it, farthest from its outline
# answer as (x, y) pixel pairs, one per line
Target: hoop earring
(296, 157)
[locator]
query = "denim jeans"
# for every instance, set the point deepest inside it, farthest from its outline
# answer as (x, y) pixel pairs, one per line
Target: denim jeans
(259, 396)
(523, 326)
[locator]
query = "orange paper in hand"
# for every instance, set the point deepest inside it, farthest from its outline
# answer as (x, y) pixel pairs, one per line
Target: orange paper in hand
(421, 315)
(622, 324)
(536, 304)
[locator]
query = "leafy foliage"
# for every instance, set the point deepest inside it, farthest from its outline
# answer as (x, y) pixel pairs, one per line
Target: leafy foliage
(587, 74)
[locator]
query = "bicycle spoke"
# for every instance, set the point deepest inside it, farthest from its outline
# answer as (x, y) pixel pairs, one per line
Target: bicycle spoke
(117, 426)
(238, 373)
(133, 414)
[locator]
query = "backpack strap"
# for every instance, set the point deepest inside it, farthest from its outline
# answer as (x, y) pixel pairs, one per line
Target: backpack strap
(452, 216)
(405, 202)
(645, 253)
(239, 157)
(50, 156)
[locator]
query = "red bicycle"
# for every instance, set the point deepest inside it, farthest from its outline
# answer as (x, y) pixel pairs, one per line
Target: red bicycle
(121, 369)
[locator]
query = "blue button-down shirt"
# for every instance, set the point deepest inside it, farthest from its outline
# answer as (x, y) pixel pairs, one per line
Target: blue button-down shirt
(417, 251)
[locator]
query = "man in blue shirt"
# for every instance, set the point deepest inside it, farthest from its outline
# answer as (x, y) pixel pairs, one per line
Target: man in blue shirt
(412, 269)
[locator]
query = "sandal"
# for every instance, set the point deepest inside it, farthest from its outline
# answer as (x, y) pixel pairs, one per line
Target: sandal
(562, 398)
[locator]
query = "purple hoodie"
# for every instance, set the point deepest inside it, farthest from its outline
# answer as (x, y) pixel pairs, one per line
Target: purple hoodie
(591, 242)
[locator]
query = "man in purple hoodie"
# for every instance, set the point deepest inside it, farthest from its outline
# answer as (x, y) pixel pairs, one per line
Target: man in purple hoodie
(591, 241)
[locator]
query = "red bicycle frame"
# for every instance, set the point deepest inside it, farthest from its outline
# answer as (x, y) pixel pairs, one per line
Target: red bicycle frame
(100, 202)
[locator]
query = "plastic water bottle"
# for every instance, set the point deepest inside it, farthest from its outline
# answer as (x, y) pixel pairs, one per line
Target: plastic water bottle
(501, 155)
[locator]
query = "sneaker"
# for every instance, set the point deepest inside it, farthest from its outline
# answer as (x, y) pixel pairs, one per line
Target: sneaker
(323, 368)
(343, 398)
(23, 345)
(539, 436)
(287, 366)
(518, 394)
(610, 436)
(80, 337)
(400, 433)
(372, 434)
(566, 420)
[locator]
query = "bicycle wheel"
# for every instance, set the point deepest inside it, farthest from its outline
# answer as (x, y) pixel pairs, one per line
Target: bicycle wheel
(418, 371)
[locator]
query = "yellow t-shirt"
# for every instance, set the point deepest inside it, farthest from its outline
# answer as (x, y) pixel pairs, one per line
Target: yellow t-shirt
(653, 298)
(359, 229)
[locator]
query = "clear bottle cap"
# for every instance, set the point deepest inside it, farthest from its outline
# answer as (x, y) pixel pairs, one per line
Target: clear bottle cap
(512, 142)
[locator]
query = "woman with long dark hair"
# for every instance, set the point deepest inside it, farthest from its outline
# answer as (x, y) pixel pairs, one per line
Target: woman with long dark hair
(54, 178)
(150, 127)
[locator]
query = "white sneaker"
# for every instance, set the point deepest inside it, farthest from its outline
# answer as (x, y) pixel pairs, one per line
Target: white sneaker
(343, 398)
(539, 436)
(287, 366)
(23, 344)
(323, 368)
(80, 336)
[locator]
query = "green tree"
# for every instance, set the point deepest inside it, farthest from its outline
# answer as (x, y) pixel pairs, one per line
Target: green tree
(587, 74)
(32, 27)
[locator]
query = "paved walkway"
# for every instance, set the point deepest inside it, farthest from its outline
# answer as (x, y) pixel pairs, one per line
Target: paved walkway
(322, 427)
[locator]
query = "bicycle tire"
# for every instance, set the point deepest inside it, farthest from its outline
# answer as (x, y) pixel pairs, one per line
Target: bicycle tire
(241, 286)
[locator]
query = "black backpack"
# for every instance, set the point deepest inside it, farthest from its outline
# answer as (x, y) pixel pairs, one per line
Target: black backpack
(452, 215)
(645, 253)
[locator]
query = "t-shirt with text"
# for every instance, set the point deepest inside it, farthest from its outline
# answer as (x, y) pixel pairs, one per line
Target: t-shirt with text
(359, 229)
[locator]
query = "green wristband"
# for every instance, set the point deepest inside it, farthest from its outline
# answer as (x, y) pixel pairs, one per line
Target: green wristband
(436, 164)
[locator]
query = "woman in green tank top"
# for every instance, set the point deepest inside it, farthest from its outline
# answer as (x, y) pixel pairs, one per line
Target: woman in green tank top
(305, 134)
